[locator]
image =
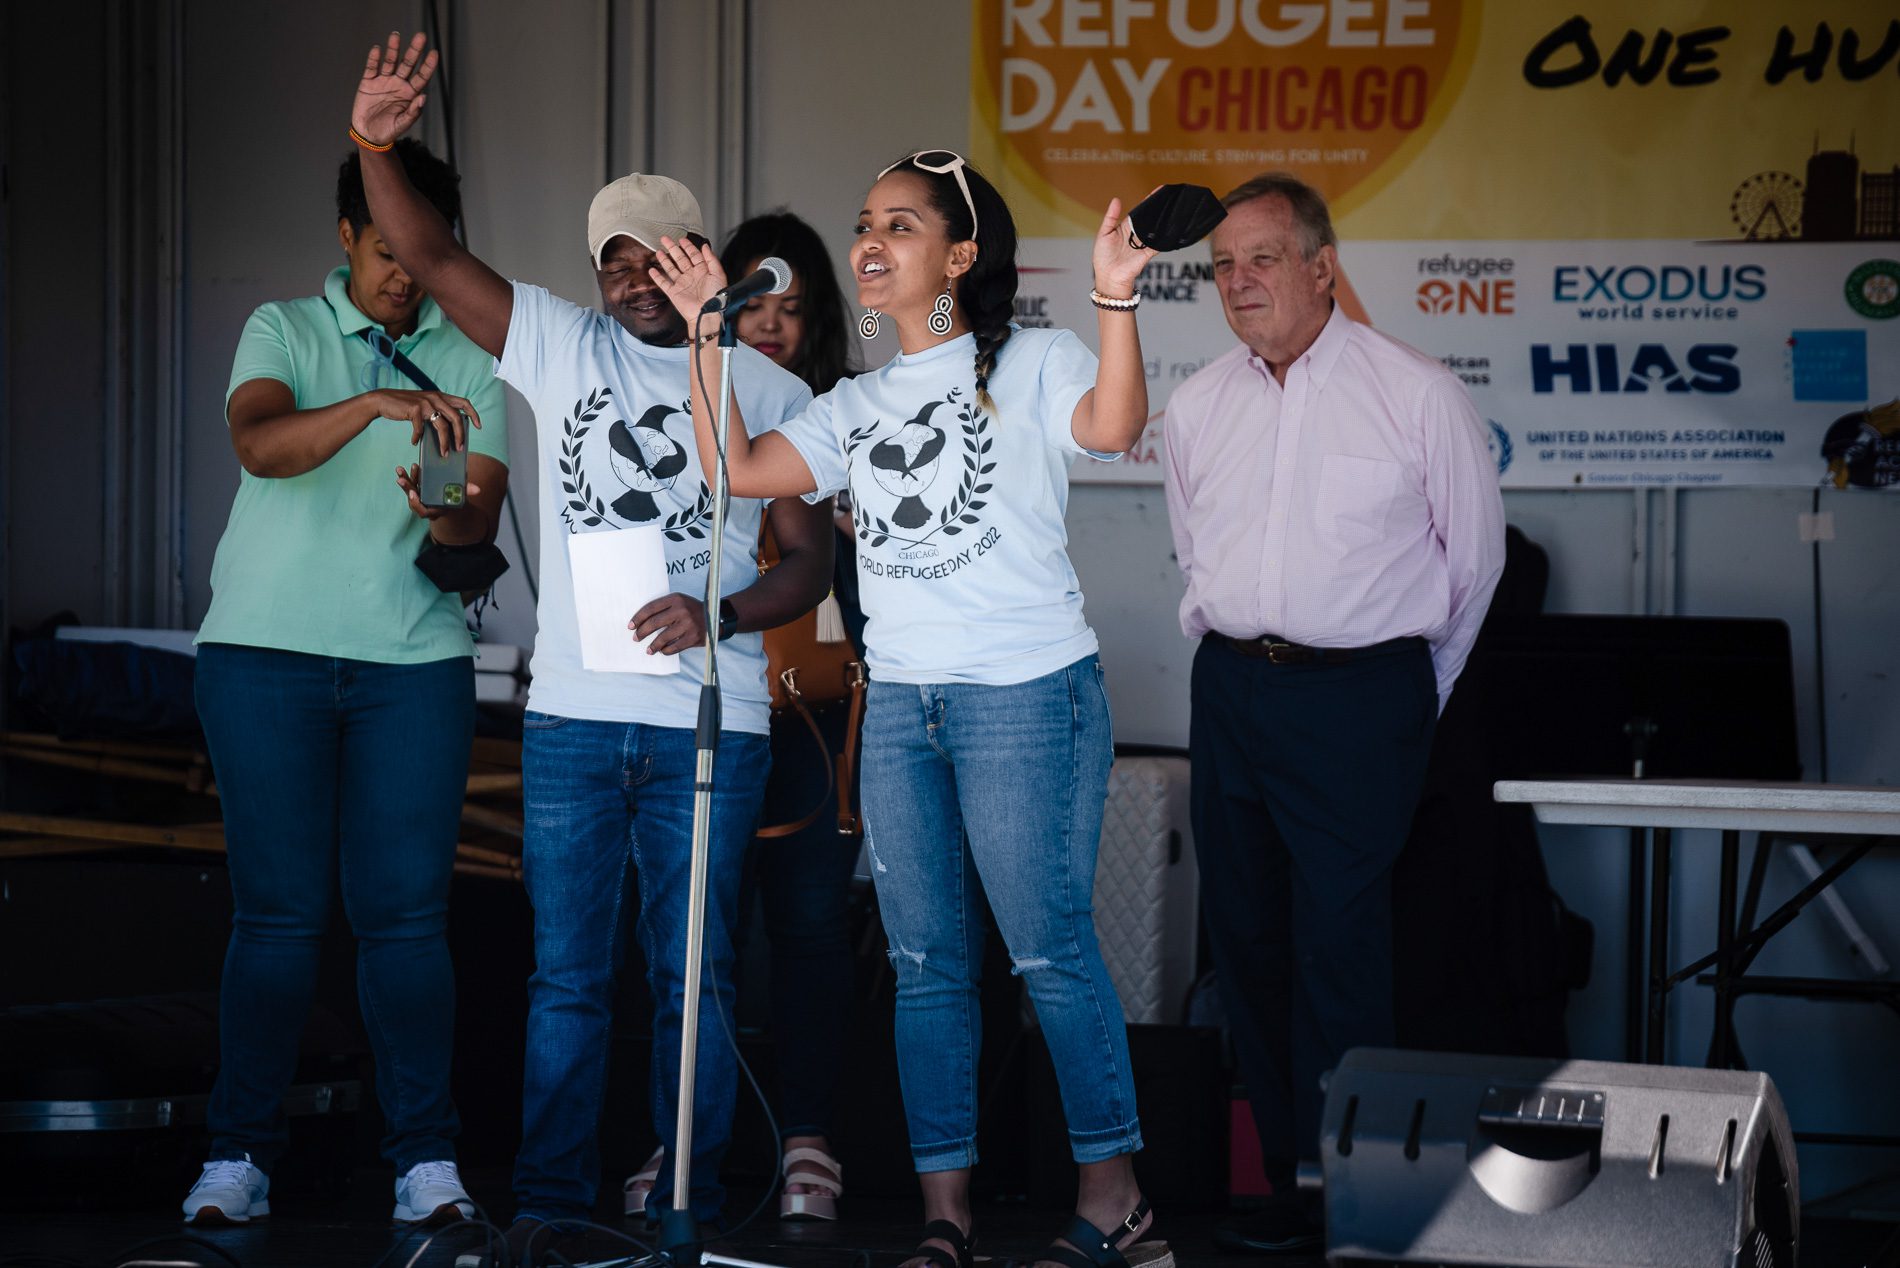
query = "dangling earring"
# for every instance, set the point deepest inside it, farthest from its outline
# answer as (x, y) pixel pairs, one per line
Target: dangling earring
(868, 324)
(940, 312)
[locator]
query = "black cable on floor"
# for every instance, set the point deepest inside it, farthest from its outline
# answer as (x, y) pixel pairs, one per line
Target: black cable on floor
(491, 1234)
(765, 1104)
(495, 1242)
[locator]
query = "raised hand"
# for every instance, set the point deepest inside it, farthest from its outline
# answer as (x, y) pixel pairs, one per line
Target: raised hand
(389, 97)
(689, 275)
(1117, 262)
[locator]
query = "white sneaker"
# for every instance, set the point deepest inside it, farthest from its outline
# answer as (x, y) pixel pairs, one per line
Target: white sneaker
(432, 1193)
(230, 1191)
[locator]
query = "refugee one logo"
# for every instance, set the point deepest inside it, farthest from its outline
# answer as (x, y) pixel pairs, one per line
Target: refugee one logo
(1467, 286)
(1493, 297)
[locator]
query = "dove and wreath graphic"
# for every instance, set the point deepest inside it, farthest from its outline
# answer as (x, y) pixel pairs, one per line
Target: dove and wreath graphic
(908, 465)
(644, 458)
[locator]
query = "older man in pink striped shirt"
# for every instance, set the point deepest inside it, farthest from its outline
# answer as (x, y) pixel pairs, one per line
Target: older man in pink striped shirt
(1337, 517)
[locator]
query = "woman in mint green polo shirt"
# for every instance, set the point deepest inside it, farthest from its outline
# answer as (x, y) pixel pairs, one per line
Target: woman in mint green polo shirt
(336, 688)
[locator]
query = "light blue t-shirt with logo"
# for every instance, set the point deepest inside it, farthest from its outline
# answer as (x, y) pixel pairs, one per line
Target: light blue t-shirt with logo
(616, 450)
(963, 562)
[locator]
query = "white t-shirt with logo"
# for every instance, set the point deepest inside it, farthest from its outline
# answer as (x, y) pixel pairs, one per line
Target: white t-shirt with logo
(963, 563)
(615, 441)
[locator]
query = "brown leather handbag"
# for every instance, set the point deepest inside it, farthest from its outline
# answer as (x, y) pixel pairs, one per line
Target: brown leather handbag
(809, 663)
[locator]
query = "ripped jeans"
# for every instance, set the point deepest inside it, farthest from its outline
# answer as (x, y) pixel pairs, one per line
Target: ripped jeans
(1006, 784)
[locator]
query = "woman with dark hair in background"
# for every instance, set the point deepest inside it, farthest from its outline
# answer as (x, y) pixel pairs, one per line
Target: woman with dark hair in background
(802, 878)
(987, 739)
(336, 686)
(805, 328)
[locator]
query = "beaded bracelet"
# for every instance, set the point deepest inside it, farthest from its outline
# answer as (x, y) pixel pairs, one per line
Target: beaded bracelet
(368, 144)
(1109, 304)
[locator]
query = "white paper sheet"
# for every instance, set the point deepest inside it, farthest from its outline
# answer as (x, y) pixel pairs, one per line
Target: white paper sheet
(616, 573)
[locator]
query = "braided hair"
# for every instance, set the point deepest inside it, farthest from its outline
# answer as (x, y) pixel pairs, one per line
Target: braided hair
(987, 291)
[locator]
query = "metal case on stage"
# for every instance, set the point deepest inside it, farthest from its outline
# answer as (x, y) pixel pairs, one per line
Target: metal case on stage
(124, 1084)
(1147, 888)
(1432, 1158)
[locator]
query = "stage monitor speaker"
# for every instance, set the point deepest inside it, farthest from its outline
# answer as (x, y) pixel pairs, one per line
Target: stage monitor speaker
(1436, 1158)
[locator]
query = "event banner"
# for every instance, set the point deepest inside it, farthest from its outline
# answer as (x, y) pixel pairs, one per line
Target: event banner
(1659, 241)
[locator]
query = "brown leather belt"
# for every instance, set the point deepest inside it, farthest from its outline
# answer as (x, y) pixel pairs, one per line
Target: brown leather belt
(1273, 648)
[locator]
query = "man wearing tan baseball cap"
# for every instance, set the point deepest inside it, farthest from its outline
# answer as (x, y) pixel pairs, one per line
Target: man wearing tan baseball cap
(644, 207)
(608, 757)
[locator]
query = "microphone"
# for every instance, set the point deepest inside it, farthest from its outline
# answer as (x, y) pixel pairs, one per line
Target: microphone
(772, 277)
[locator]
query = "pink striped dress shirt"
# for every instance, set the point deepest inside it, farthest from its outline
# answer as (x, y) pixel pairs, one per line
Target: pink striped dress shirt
(1357, 503)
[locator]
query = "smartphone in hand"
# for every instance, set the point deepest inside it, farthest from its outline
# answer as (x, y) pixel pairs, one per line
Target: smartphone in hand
(442, 481)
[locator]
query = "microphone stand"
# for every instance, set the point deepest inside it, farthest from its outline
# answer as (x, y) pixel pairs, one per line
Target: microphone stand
(679, 1229)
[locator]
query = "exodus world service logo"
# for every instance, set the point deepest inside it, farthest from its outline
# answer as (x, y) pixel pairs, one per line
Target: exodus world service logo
(1607, 367)
(1657, 293)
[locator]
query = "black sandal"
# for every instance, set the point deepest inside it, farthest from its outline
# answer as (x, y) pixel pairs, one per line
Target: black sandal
(945, 1231)
(1096, 1249)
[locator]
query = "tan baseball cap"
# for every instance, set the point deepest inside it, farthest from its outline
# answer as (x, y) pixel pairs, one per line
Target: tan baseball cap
(643, 207)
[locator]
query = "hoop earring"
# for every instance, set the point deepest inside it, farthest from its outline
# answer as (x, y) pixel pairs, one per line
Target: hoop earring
(940, 312)
(869, 323)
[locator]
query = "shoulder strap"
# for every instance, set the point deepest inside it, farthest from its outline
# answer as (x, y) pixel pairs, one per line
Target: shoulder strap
(818, 737)
(386, 348)
(849, 825)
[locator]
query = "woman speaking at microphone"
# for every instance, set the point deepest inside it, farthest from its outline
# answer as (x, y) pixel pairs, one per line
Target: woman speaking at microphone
(987, 742)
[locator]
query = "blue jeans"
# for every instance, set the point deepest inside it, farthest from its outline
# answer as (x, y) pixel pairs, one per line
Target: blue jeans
(336, 771)
(1004, 785)
(600, 797)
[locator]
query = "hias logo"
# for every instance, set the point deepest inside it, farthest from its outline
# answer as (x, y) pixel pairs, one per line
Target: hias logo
(1604, 368)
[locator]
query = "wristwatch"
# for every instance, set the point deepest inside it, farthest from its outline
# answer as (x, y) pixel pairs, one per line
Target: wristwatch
(728, 620)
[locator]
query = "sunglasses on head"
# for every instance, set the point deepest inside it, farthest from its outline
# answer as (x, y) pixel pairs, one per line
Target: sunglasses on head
(939, 163)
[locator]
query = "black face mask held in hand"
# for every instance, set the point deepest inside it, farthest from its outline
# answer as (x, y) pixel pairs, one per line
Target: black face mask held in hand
(1175, 216)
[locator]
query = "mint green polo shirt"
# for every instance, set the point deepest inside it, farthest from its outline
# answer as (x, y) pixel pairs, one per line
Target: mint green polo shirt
(324, 562)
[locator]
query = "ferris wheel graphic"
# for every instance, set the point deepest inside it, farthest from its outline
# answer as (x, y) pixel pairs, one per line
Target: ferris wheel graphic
(1767, 207)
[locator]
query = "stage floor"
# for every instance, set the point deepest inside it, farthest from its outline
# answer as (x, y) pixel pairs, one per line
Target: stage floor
(313, 1231)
